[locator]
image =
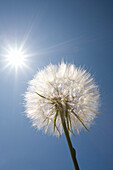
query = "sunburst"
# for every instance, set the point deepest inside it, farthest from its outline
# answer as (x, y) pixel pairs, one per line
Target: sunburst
(15, 57)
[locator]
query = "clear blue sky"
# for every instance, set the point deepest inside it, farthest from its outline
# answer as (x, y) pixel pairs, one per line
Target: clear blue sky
(80, 32)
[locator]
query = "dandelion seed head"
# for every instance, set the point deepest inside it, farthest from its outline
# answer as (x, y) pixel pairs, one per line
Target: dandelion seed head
(63, 84)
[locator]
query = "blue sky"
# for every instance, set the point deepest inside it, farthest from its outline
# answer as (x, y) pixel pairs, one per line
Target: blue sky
(79, 32)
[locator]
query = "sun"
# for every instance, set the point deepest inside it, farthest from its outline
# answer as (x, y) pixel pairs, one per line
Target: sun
(16, 57)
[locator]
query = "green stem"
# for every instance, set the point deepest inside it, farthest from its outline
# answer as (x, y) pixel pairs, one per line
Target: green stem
(72, 150)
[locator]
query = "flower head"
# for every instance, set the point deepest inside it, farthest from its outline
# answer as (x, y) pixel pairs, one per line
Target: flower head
(62, 87)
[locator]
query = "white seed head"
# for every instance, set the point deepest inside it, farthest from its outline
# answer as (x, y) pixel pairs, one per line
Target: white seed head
(72, 88)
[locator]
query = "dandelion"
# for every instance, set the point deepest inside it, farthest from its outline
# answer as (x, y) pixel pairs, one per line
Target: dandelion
(62, 98)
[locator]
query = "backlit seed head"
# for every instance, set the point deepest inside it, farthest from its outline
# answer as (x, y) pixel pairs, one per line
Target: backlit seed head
(62, 89)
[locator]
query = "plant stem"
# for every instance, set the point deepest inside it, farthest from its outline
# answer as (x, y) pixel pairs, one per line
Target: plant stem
(72, 150)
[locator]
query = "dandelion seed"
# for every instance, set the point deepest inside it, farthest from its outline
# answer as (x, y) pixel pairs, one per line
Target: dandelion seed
(61, 98)
(72, 87)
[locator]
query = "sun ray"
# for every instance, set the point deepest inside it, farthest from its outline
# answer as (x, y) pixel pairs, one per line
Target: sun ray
(15, 58)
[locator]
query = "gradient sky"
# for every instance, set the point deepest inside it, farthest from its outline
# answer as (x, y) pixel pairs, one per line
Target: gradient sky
(79, 32)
